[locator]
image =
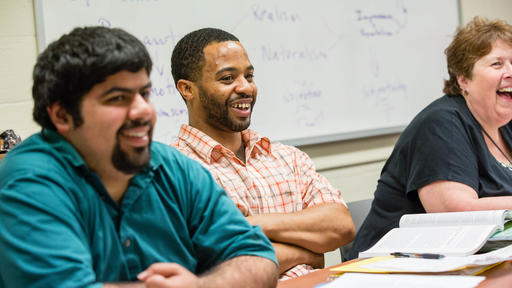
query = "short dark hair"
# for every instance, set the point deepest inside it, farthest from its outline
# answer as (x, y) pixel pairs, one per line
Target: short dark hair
(69, 67)
(472, 42)
(187, 60)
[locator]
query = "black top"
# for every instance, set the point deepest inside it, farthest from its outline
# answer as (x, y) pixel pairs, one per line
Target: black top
(443, 142)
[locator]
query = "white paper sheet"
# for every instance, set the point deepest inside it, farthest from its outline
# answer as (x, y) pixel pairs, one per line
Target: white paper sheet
(349, 280)
(441, 265)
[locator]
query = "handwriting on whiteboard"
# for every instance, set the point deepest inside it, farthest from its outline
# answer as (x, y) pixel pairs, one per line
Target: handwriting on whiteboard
(374, 24)
(284, 54)
(273, 15)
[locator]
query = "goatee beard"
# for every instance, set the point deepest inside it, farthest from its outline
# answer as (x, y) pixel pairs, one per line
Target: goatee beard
(132, 163)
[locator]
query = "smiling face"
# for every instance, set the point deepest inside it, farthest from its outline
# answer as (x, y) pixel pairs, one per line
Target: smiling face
(489, 91)
(118, 122)
(226, 90)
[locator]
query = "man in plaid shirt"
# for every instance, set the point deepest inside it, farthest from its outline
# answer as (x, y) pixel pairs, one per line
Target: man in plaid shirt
(274, 185)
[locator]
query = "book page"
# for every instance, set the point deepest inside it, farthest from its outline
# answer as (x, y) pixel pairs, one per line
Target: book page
(447, 240)
(488, 217)
(503, 235)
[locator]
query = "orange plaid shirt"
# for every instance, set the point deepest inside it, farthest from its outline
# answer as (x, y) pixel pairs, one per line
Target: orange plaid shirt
(276, 178)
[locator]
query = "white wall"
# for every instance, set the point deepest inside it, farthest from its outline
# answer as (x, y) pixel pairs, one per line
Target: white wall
(353, 166)
(492, 9)
(17, 57)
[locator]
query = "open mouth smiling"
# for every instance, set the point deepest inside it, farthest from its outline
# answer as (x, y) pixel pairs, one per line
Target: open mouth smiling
(505, 92)
(241, 106)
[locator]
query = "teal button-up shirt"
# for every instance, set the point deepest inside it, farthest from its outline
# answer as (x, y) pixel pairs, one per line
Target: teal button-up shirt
(59, 227)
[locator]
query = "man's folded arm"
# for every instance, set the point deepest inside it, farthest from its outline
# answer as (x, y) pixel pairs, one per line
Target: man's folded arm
(289, 256)
(320, 228)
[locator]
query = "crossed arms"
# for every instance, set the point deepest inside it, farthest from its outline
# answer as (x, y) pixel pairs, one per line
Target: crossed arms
(302, 237)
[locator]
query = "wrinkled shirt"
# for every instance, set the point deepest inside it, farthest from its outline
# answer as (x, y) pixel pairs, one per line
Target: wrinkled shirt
(276, 178)
(60, 228)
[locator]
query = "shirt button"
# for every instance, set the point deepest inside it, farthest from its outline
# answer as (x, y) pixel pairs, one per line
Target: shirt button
(127, 243)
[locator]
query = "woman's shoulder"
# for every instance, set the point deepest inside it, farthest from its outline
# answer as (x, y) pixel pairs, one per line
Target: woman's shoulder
(445, 118)
(445, 111)
(445, 105)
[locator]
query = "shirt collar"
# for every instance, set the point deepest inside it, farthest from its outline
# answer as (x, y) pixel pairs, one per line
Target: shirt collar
(210, 150)
(61, 145)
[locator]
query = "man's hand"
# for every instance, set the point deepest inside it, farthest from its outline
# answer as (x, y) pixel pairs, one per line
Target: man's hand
(241, 271)
(168, 275)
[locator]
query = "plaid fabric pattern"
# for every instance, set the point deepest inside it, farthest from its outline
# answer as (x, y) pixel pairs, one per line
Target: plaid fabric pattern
(276, 178)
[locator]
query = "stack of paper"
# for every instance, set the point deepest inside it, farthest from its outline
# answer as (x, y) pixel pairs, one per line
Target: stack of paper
(389, 264)
(356, 280)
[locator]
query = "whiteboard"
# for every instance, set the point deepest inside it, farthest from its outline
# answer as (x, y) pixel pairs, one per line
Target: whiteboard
(326, 69)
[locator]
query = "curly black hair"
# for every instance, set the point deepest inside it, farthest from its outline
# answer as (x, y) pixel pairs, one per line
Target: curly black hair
(69, 67)
(187, 60)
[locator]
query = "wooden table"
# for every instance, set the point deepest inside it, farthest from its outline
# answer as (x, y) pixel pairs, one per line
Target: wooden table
(497, 277)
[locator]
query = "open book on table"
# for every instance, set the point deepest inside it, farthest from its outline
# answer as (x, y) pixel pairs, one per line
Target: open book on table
(449, 234)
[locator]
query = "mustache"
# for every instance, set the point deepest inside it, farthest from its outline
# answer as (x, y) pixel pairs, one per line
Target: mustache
(135, 123)
(240, 96)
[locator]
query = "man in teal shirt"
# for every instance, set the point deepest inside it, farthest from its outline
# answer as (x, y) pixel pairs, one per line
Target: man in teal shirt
(91, 200)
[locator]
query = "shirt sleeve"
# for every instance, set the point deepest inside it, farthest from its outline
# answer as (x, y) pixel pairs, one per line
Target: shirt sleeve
(41, 243)
(441, 149)
(316, 189)
(219, 230)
